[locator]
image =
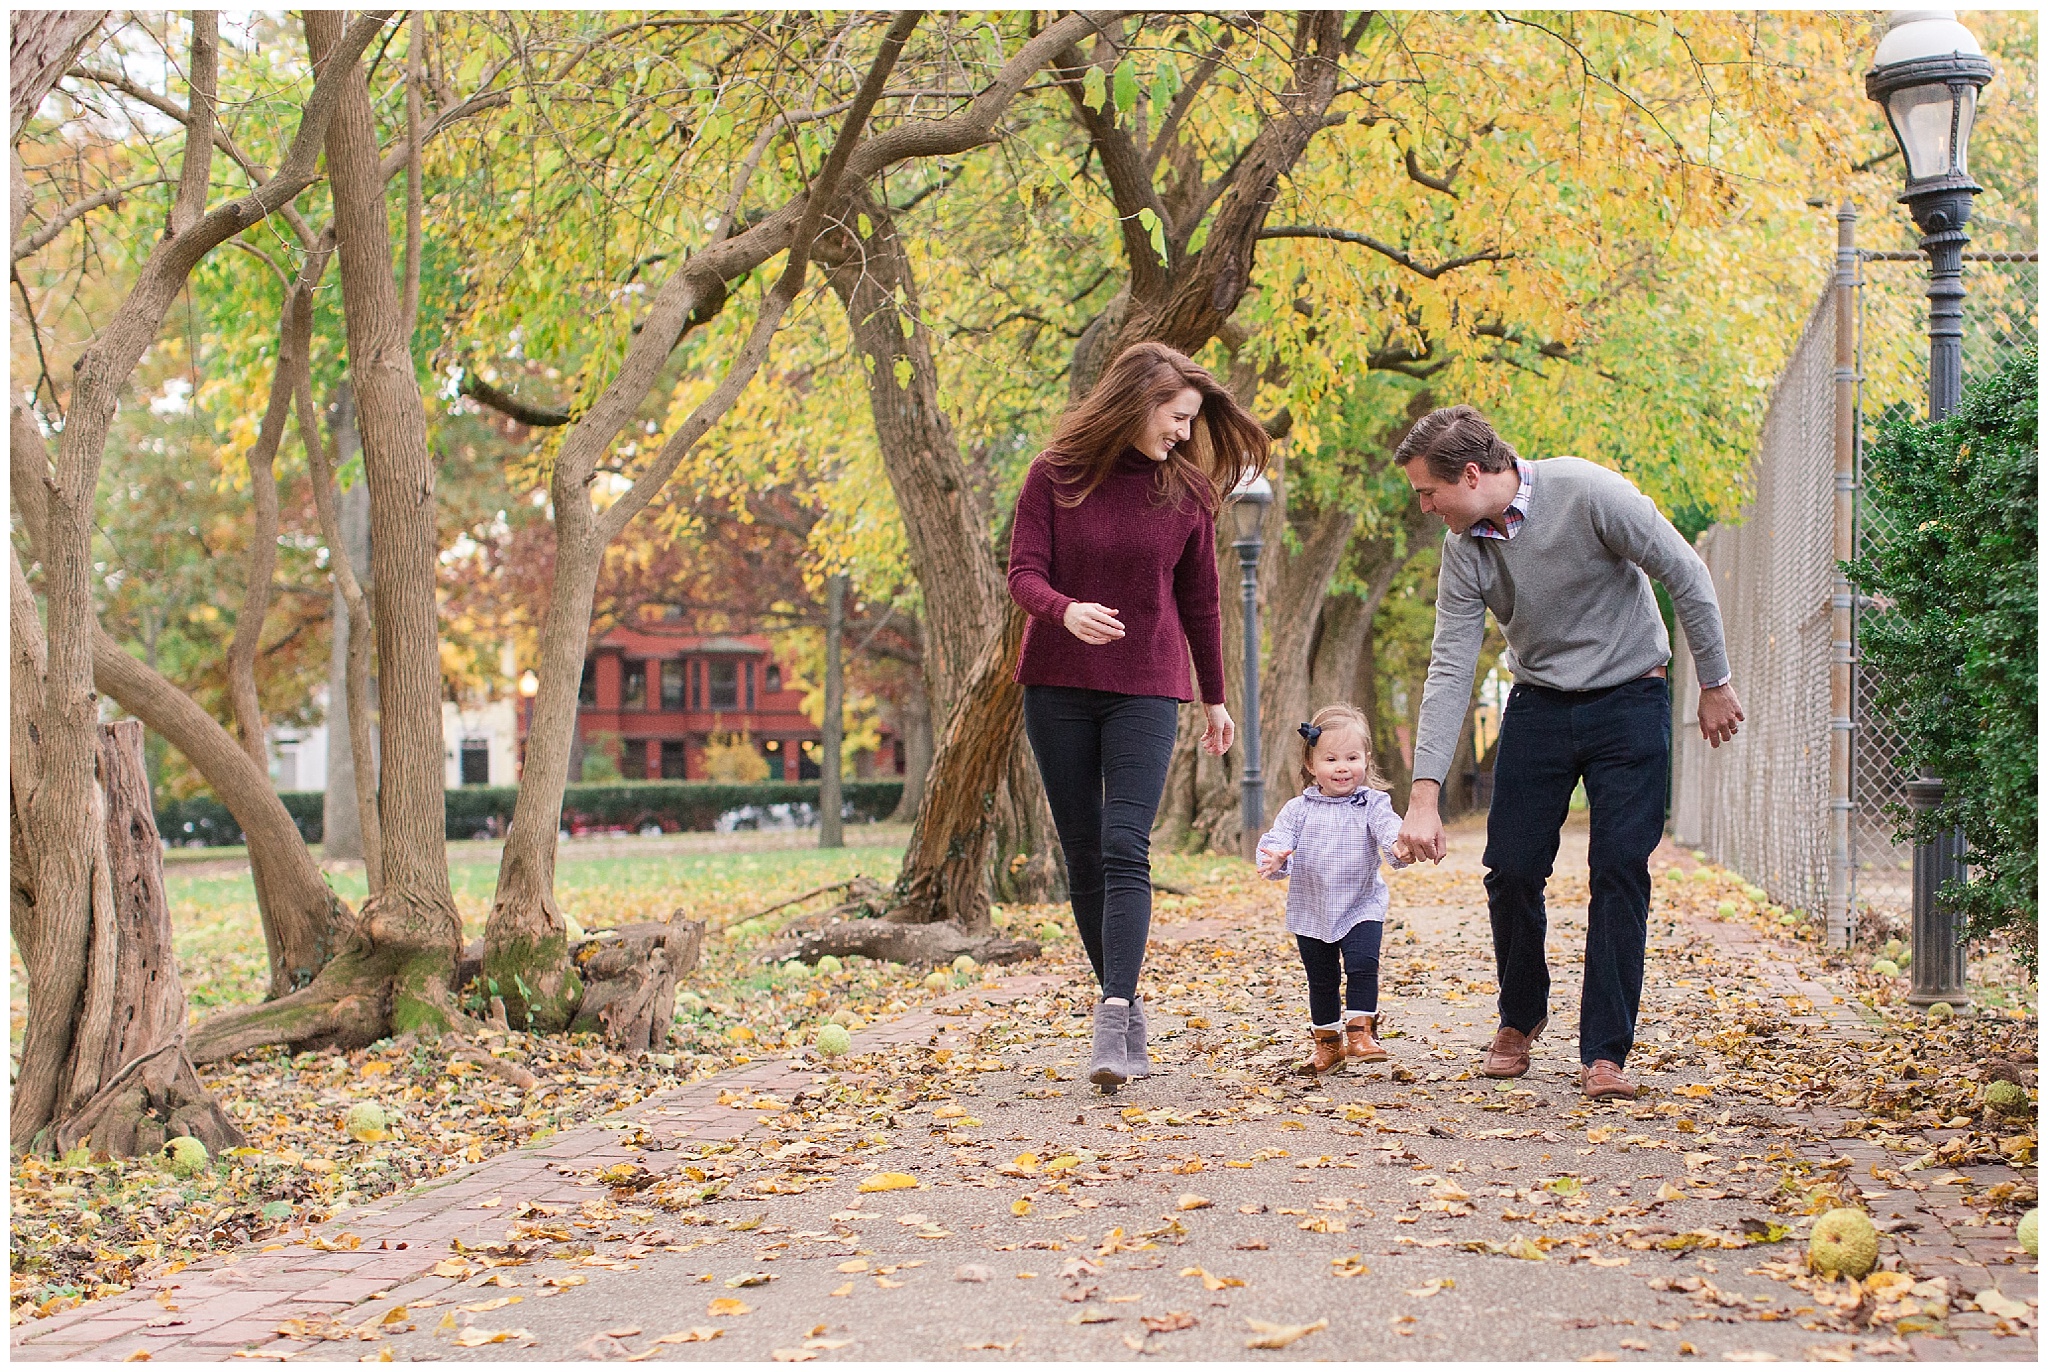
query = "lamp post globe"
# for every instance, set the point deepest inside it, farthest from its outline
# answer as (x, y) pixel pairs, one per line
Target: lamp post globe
(1926, 77)
(1927, 74)
(1248, 504)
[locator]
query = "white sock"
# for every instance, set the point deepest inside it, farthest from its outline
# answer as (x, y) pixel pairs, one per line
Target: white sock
(1331, 1027)
(1114, 1000)
(1356, 1015)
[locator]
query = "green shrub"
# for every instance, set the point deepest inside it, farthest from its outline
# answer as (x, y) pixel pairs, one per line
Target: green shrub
(486, 811)
(1955, 655)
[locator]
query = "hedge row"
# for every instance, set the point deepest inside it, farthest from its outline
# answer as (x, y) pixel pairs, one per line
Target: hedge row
(486, 811)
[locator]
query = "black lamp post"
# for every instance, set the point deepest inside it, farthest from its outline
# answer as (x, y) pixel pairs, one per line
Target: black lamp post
(1247, 512)
(1928, 72)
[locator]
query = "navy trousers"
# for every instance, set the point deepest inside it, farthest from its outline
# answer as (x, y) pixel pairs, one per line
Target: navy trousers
(1618, 741)
(1103, 757)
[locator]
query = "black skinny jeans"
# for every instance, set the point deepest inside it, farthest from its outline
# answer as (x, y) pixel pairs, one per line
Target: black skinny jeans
(1619, 741)
(1355, 959)
(1103, 757)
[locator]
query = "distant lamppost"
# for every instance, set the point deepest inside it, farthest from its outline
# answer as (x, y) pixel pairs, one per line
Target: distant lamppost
(529, 687)
(1247, 512)
(1927, 74)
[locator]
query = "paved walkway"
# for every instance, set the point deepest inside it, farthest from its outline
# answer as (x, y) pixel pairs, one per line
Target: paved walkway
(1222, 1201)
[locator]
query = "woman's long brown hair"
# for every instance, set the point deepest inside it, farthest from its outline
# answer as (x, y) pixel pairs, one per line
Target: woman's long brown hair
(1225, 443)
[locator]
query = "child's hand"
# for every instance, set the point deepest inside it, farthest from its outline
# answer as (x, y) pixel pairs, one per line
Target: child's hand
(1270, 862)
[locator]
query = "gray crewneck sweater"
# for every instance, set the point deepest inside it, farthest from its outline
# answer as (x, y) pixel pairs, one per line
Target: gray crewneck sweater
(1569, 591)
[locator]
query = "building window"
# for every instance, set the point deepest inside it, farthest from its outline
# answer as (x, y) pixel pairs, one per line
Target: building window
(750, 685)
(696, 673)
(672, 685)
(476, 762)
(725, 684)
(672, 759)
(633, 759)
(633, 693)
(586, 694)
(774, 682)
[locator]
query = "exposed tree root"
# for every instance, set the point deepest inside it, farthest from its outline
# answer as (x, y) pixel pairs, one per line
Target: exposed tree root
(154, 1098)
(917, 944)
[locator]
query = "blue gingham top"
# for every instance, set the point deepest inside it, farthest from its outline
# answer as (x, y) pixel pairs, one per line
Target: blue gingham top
(1338, 843)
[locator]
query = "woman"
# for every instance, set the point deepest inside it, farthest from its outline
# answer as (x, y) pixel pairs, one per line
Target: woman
(1113, 555)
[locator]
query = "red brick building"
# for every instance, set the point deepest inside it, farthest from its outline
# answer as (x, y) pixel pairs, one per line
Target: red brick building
(662, 693)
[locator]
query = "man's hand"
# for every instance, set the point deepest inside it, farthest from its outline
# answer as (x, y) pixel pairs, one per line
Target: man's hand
(1092, 623)
(1720, 714)
(1221, 733)
(1270, 862)
(1422, 832)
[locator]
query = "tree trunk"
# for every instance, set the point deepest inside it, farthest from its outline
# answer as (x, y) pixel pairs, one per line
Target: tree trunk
(243, 698)
(342, 828)
(915, 724)
(131, 1084)
(832, 747)
(303, 921)
(412, 916)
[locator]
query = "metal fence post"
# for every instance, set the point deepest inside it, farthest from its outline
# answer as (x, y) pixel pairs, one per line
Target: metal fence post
(1841, 727)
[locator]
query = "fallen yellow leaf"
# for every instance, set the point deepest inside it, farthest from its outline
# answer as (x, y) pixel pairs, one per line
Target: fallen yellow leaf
(1266, 1335)
(888, 1181)
(1021, 1206)
(1191, 1201)
(480, 1306)
(845, 1289)
(728, 1305)
(473, 1337)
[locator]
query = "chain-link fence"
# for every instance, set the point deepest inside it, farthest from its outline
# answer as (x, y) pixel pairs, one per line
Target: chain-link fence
(1777, 804)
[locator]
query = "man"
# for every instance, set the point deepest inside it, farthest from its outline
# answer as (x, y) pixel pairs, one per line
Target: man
(1562, 551)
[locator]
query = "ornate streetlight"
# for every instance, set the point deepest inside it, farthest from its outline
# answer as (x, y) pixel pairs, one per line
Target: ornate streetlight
(1247, 512)
(1928, 72)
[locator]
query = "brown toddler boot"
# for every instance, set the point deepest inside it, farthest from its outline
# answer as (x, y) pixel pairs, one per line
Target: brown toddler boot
(1329, 1054)
(1360, 1043)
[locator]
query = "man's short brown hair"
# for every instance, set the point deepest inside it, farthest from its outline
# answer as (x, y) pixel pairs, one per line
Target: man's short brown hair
(1445, 440)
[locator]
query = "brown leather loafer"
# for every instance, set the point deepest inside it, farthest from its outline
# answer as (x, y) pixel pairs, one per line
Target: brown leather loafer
(1329, 1054)
(1508, 1054)
(1603, 1079)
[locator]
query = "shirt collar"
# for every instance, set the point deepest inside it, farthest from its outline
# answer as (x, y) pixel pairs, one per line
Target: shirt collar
(1517, 510)
(1357, 797)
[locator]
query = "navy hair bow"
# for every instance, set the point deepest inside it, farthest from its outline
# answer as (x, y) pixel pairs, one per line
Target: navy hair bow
(1309, 732)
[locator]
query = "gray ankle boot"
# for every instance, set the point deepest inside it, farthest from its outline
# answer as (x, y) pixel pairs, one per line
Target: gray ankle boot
(1108, 1066)
(1137, 1052)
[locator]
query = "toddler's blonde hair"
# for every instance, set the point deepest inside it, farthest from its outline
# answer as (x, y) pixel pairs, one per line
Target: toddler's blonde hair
(1342, 716)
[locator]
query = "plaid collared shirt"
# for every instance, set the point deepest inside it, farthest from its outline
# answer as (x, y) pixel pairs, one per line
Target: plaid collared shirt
(1517, 511)
(1335, 846)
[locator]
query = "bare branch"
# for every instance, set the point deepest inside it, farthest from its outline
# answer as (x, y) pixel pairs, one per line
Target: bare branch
(1421, 177)
(112, 195)
(511, 406)
(1385, 250)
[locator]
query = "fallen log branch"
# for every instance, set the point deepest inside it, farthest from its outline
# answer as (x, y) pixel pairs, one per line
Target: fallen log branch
(921, 945)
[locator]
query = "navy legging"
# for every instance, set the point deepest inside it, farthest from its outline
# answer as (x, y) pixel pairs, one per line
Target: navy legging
(1103, 757)
(1356, 957)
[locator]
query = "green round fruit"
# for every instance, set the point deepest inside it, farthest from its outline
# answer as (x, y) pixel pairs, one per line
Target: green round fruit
(1941, 1010)
(937, 981)
(2007, 1098)
(1788, 918)
(845, 1019)
(1892, 948)
(966, 964)
(187, 1157)
(366, 1121)
(829, 964)
(1725, 909)
(1755, 893)
(2029, 1232)
(833, 1040)
(1844, 1242)
(1885, 967)
(1904, 960)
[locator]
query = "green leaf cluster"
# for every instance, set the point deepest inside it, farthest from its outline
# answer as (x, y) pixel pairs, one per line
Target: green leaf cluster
(1955, 649)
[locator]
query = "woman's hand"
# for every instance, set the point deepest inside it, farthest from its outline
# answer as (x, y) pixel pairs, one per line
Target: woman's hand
(1220, 734)
(1092, 623)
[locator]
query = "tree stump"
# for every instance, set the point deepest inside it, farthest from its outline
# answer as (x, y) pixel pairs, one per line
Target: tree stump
(629, 981)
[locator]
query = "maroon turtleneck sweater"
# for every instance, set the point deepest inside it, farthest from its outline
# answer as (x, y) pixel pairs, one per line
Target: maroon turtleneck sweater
(1154, 563)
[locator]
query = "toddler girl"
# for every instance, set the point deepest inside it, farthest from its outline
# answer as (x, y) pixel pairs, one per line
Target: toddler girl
(1330, 840)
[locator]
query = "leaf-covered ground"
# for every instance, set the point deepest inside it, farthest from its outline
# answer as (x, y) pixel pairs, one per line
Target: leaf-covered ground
(1738, 1102)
